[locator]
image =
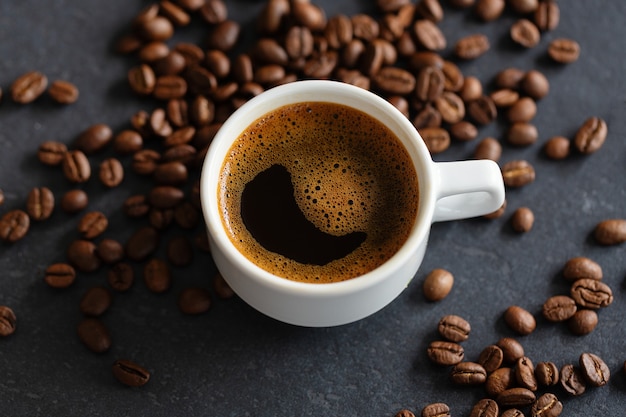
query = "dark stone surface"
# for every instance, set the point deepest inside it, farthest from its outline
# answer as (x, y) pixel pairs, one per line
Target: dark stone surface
(233, 361)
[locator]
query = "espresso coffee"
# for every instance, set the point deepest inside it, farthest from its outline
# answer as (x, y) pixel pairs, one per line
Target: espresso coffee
(318, 192)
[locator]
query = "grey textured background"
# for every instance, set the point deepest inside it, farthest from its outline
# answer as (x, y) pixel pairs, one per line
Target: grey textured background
(235, 362)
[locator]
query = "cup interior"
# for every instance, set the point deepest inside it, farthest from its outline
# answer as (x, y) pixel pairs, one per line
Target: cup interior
(320, 91)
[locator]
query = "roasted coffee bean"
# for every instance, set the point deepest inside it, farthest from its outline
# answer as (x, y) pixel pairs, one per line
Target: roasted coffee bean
(136, 206)
(364, 27)
(177, 111)
(171, 173)
(157, 275)
(28, 87)
(110, 251)
(504, 97)
(269, 74)
(535, 84)
(202, 111)
(40, 203)
(594, 369)
(454, 328)
(76, 167)
(429, 35)
(140, 121)
(516, 397)
(111, 172)
(522, 134)
(518, 173)
(547, 405)
(499, 380)
(429, 84)
(51, 152)
(185, 154)
(488, 148)
(127, 142)
(512, 412)
(436, 139)
(510, 78)
(121, 277)
(610, 232)
(95, 301)
(171, 64)
(591, 135)
(180, 136)
(186, 215)
(191, 5)
(591, 293)
(498, 213)
(525, 33)
(63, 92)
(168, 87)
(522, 220)
(423, 59)
(14, 225)
(394, 80)
(60, 275)
(453, 77)
(485, 408)
(468, 373)
(74, 201)
(491, 358)
(547, 15)
(94, 138)
(547, 374)
(482, 110)
(488, 10)
(511, 348)
(157, 28)
(523, 110)
(142, 243)
(445, 353)
(160, 219)
(432, 410)
(176, 14)
(338, 31)
(165, 196)
(179, 251)
(94, 335)
(299, 42)
(451, 107)
(192, 53)
(471, 90)
(194, 301)
(572, 380)
(559, 308)
(8, 321)
(151, 52)
(564, 51)
(82, 255)
(92, 224)
(428, 117)
(214, 11)
(224, 35)
(523, 6)
(438, 284)
(583, 322)
(525, 373)
(158, 123)
(520, 320)
(471, 46)
(129, 373)
(400, 103)
(269, 51)
(582, 267)
(430, 9)
(145, 161)
(221, 287)
(557, 147)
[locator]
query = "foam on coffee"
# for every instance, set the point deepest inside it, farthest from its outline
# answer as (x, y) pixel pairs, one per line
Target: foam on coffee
(350, 175)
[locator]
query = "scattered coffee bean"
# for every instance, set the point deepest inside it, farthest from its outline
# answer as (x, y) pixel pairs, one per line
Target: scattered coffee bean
(76, 167)
(520, 320)
(583, 322)
(94, 335)
(74, 201)
(559, 308)
(463, 130)
(525, 33)
(179, 251)
(194, 301)
(8, 321)
(445, 353)
(591, 293)
(610, 232)
(28, 87)
(468, 373)
(129, 373)
(582, 267)
(512, 412)
(547, 405)
(488, 10)
(110, 251)
(488, 148)
(454, 328)
(63, 92)
(522, 134)
(94, 138)
(60, 275)
(438, 284)
(472, 46)
(491, 358)
(436, 139)
(186, 215)
(522, 110)
(511, 348)
(564, 51)
(471, 90)
(121, 277)
(40, 203)
(518, 173)
(535, 84)
(522, 220)
(165, 196)
(516, 397)
(485, 408)
(591, 135)
(142, 243)
(82, 255)
(594, 369)
(547, 15)
(51, 152)
(557, 147)
(14, 225)
(510, 78)
(572, 380)
(95, 301)
(500, 380)
(92, 224)
(547, 374)
(429, 35)
(525, 373)
(111, 172)
(221, 287)
(434, 410)
(157, 275)
(482, 110)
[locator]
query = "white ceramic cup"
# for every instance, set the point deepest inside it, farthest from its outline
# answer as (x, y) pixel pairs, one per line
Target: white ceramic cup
(447, 191)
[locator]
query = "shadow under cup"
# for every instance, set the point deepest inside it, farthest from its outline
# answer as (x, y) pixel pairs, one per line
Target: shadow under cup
(318, 304)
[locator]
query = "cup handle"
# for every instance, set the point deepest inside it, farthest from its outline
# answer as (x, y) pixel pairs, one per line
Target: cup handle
(468, 189)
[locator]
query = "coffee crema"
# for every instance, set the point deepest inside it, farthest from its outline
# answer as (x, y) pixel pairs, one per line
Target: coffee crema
(318, 192)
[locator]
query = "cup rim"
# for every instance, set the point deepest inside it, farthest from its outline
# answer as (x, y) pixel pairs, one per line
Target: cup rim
(318, 91)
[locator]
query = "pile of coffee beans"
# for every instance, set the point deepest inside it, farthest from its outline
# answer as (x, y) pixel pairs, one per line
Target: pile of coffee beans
(397, 53)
